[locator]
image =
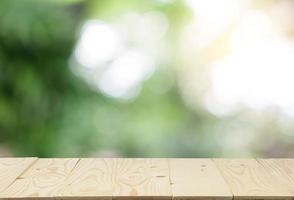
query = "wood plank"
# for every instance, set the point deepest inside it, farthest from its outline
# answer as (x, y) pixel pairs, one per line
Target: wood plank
(281, 170)
(248, 179)
(91, 179)
(42, 180)
(156, 179)
(11, 168)
(197, 179)
(109, 178)
(142, 178)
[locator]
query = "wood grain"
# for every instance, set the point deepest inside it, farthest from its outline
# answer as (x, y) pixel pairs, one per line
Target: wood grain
(107, 178)
(249, 180)
(156, 179)
(197, 179)
(141, 178)
(91, 179)
(281, 170)
(42, 180)
(11, 168)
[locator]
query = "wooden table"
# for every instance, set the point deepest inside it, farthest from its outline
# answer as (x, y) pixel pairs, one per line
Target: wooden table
(118, 178)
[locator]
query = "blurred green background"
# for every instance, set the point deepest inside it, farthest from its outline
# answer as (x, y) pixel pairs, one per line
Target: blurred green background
(156, 78)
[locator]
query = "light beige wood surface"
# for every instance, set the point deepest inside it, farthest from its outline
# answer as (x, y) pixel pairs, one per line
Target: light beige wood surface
(281, 170)
(91, 179)
(147, 178)
(119, 178)
(197, 179)
(11, 168)
(155, 179)
(248, 179)
(44, 179)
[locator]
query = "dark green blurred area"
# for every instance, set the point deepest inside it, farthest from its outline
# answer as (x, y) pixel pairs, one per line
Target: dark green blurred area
(47, 111)
(35, 42)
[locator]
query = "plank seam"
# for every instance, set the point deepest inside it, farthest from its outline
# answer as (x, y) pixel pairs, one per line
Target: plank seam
(76, 164)
(25, 170)
(221, 173)
(169, 178)
(72, 170)
(28, 168)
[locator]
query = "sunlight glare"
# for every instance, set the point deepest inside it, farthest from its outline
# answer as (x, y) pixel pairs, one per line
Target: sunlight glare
(212, 17)
(259, 70)
(123, 78)
(99, 43)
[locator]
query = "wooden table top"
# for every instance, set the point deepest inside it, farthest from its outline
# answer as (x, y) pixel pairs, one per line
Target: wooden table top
(127, 178)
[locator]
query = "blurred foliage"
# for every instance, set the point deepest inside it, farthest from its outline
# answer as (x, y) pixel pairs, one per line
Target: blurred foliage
(45, 110)
(36, 39)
